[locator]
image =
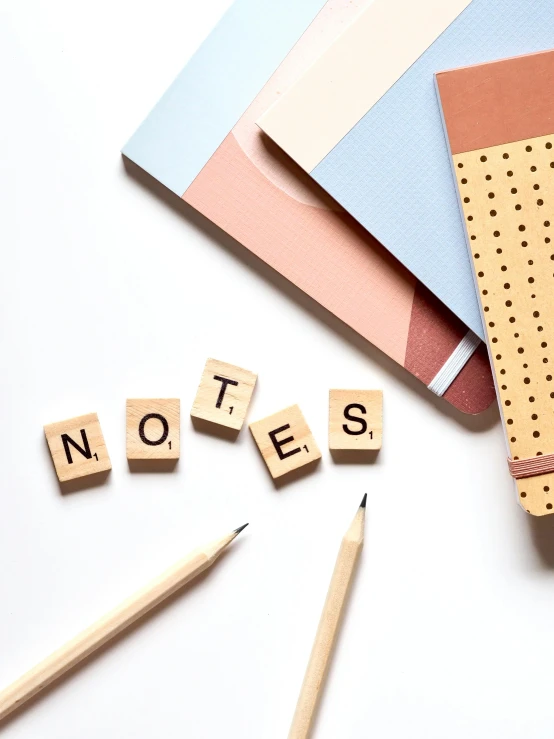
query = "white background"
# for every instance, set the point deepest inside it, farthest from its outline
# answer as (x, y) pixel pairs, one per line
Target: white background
(111, 288)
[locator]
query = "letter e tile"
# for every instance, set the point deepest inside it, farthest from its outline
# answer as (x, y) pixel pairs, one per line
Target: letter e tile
(285, 441)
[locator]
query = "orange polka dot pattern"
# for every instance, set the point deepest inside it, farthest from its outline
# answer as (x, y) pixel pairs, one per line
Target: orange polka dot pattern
(507, 198)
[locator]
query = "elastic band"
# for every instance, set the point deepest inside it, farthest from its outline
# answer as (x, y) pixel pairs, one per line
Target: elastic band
(454, 364)
(531, 466)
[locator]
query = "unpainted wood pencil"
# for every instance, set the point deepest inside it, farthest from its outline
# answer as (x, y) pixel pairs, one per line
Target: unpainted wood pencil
(112, 624)
(329, 623)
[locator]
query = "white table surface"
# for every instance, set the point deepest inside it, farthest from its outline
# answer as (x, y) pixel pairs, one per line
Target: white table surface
(110, 289)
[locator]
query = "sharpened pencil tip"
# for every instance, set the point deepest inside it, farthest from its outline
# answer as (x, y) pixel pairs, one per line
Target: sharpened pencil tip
(362, 504)
(241, 528)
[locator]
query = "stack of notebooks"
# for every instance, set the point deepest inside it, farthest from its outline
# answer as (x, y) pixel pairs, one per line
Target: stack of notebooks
(312, 133)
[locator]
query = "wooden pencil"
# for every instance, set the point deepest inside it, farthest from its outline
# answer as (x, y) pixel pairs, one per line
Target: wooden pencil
(329, 623)
(112, 624)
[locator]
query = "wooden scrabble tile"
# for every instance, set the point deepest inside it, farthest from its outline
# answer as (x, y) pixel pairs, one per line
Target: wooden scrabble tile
(224, 394)
(285, 441)
(153, 428)
(77, 447)
(355, 420)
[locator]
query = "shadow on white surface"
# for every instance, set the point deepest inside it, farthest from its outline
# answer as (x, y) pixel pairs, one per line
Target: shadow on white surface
(542, 533)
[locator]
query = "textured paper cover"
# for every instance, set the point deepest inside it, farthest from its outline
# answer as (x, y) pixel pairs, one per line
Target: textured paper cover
(499, 122)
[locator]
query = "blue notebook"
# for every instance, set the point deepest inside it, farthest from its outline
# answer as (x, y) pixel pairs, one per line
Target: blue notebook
(370, 132)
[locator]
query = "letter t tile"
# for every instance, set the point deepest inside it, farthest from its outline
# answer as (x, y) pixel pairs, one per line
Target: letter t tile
(223, 395)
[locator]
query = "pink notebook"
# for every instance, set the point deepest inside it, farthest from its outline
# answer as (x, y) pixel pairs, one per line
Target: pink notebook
(246, 185)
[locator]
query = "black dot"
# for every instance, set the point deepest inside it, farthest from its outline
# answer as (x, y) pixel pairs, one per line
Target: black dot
(522, 227)
(520, 350)
(523, 494)
(540, 202)
(552, 165)
(513, 190)
(512, 319)
(506, 286)
(476, 256)
(544, 344)
(549, 506)
(486, 308)
(534, 417)
(509, 303)
(536, 434)
(491, 195)
(502, 371)
(546, 489)
(528, 148)
(536, 314)
(503, 268)
(549, 378)
(464, 181)
(530, 262)
(485, 292)
(533, 169)
(518, 207)
(539, 328)
(499, 356)
(510, 421)
(473, 238)
(480, 274)
(536, 187)
(525, 366)
(545, 360)
(530, 280)
(499, 251)
(491, 324)
(509, 173)
(470, 218)
(488, 177)
(547, 224)
(507, 402)
(494, 340)
(526, 380)
(460, 165)
(483, 158)
(513, 438)
(496, 233)
(531, 399)
(466, 200)
(548, 145)
(505, 155)
(516, 336)
(493, 213)
(524, 243)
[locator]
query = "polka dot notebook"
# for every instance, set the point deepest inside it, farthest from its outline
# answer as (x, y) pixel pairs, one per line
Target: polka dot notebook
(499, 122)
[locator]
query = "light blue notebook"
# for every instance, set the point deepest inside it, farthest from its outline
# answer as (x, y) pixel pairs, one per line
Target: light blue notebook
(390, 168)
